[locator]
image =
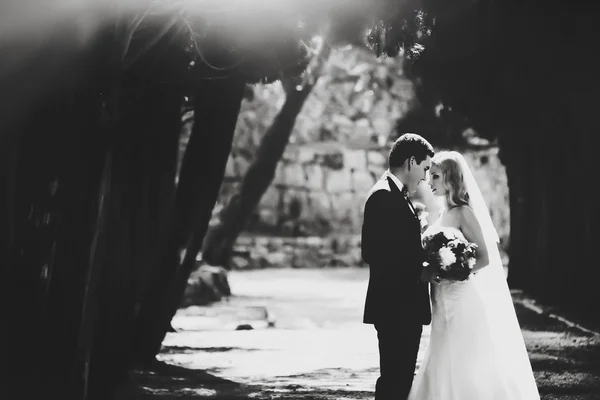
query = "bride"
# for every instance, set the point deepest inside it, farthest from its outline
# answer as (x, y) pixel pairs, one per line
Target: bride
(476, 349)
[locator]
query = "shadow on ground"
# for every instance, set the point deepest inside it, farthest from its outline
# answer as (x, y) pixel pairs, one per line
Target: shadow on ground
(565, 361)
(166, 382)
(335, 356)
(189, 349)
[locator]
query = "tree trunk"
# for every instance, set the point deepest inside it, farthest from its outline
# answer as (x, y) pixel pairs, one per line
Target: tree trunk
(56, 186)
(144, 109)
(80, 245)
(552, 222)
(30, 252)
(216, 107)
(9, 154)
(142, 185)
(233, 217)
(90, 296)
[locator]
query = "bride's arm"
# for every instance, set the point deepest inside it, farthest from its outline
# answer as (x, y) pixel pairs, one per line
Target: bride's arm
(470, 227)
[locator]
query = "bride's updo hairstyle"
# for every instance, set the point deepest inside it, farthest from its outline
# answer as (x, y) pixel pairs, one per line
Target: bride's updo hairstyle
(452, 177)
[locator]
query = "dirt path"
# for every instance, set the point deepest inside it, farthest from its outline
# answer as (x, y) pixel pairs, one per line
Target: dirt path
(319, 349)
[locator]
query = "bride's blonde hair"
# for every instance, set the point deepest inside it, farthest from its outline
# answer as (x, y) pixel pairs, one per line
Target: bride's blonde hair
(452, 178)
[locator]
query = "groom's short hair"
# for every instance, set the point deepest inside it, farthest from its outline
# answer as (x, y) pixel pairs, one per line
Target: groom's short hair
(409, 145)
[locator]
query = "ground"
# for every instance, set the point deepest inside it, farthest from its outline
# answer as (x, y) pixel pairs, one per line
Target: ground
(319, 348)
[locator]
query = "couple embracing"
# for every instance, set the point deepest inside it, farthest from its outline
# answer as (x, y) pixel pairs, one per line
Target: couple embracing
(476, 350)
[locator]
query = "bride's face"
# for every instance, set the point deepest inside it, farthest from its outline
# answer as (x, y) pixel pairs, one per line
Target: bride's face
(436, 181)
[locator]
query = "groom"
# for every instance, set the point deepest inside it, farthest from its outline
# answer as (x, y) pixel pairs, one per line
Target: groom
(397, 300)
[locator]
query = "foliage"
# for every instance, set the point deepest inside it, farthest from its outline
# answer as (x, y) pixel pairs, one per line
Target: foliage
(522, 73)
(475, 58)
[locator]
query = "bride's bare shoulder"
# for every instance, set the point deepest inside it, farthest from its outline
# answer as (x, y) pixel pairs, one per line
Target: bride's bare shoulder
(460, 214)
(465, 210)
(450, 217)
(465, 215)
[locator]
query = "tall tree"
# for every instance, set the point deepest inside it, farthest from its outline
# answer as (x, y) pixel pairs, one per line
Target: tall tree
(217, 79)
(217, 104)
(234, 216)
(88, 186)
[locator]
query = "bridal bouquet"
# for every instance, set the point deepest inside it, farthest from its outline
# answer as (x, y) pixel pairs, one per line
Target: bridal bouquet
(449, 253)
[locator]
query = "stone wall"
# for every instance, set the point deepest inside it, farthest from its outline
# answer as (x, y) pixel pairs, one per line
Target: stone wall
(331, 211)
(317, 190)
(253, 252)
(335, 151)
(338, 149)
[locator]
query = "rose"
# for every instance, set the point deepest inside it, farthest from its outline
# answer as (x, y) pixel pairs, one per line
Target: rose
(423, 219)
(447, 257)
(419, 207)
(421, 213)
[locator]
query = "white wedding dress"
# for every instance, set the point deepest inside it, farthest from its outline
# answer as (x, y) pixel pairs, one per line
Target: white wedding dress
(476, 349)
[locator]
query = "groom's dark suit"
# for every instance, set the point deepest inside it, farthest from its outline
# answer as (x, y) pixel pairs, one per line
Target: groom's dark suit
(397, 301)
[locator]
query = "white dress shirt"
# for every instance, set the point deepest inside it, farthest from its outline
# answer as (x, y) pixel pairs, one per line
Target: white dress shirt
(397, 181)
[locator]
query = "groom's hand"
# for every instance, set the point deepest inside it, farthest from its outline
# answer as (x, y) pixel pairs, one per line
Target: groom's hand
(429, 275)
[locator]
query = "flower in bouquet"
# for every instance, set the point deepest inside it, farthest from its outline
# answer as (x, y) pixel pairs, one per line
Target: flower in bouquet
(421, 214)
(449, 253)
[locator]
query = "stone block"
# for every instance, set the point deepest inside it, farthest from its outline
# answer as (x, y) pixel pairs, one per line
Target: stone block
(362, 181)
(268, 217)
(230, 170)
(293, 175)
(205, 285)
(338, 181)
(241, 166)
(314, 177)
(290, 155)
(270, 198)
(345, 208)
(332, 160)
(318, 204)
(355, 159)
(305, 155)
(377, 158)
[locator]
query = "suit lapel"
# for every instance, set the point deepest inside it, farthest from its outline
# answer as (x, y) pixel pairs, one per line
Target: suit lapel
(396, 190)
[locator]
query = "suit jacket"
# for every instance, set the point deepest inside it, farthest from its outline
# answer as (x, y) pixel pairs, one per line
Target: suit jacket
(391, 246)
